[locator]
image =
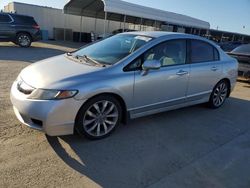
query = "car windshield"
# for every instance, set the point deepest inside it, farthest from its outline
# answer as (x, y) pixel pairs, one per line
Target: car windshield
(113, 49)
(243, 49)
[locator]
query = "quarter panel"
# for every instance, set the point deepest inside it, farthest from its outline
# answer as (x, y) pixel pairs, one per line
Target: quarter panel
(230, 71)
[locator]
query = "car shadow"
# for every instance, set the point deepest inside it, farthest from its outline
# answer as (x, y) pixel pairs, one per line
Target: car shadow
(38, 51)
(149, 148)
(247, 86)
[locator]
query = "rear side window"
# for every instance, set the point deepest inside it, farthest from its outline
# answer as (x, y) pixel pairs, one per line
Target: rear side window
(25, 20)
(203, 52)
(4, 18)
(216, 55)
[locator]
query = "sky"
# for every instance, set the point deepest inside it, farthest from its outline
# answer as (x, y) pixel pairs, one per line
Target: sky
(228, 15)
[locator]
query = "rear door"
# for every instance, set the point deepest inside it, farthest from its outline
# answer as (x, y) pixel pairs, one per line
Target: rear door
(205, 69)
(6, 30)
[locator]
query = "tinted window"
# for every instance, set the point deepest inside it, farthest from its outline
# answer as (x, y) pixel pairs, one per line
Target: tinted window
(168, 53)
(201, 51)
(26, 20)
(216, 55)
(135, 65)
(5, 19)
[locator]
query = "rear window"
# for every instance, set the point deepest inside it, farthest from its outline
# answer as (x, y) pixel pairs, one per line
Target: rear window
(26, 20)
(4, 18)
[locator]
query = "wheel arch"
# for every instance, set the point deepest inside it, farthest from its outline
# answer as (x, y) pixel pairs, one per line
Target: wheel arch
(125, 114)
(229, 85)
(26, 32)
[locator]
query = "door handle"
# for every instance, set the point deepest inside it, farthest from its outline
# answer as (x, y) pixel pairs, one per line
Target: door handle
(214, 68)
(181, 73)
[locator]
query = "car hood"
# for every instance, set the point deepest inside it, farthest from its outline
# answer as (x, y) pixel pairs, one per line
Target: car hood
(58, 72)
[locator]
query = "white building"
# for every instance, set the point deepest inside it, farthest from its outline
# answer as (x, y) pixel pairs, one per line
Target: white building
(49, 18)
(105, 16)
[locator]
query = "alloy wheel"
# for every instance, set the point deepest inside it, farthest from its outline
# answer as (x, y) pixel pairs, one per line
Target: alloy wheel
(220, 94)
(23, 40)
(100, 118)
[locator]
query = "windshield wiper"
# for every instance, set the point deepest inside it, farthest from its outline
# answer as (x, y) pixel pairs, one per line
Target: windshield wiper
(85, 57)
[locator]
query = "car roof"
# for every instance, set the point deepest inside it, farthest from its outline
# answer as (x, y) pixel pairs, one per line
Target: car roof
(159, 34)
(156, 34)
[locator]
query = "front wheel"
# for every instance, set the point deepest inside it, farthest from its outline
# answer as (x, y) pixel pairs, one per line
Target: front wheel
(23, 40)
(99, 117)
(219, 94)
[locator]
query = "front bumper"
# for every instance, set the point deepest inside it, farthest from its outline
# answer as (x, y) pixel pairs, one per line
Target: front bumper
(54, 117)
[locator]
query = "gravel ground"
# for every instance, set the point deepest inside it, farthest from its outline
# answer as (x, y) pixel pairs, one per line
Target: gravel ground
(190, 147)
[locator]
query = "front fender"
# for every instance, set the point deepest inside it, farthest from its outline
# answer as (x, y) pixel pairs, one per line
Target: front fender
(120, 85)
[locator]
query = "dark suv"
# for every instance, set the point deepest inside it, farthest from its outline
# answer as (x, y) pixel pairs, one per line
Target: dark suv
(19, 29)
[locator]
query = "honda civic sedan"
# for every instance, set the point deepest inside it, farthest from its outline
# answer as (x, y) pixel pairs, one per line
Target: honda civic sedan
(130, 75)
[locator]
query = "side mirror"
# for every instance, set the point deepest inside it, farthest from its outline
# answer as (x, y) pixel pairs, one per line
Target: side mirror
(150, 65)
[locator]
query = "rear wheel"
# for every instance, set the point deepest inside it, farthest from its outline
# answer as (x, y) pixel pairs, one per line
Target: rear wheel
(219, 94)
(23, 40)
(99, 117)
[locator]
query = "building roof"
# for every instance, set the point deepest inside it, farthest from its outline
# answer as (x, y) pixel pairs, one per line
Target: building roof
(118, 8)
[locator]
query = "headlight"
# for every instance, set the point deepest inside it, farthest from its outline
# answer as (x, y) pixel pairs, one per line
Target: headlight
(45, 94)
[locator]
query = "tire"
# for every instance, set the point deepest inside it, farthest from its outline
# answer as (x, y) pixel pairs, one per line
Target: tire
(98, 117)
(23, 40)
(219, 94)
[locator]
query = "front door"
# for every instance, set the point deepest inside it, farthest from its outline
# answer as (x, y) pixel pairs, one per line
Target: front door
(166, 86)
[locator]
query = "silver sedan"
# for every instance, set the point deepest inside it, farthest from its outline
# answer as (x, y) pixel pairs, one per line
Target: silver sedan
(130, 75)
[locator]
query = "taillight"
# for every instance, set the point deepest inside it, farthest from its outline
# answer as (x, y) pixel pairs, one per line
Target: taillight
(36, 26)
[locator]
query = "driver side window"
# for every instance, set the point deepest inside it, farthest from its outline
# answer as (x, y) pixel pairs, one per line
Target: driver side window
(173, 52)
(168, 53)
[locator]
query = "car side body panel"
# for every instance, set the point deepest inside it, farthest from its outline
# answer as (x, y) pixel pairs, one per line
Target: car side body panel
(159, 88)
(143, 94)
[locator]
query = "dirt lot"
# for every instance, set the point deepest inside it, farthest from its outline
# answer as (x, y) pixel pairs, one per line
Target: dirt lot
(190, 147)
